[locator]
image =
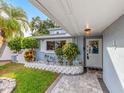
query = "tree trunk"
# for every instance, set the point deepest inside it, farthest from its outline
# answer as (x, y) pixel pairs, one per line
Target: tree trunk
(2, 36)
(70, 62)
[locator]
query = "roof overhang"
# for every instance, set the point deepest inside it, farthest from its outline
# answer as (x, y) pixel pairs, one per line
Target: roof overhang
(75, 15)
(53, 36)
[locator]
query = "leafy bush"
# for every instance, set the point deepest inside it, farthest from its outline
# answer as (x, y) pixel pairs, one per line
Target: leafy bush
(29, 55)
(29, 43)
(70, 51)
(59, 53)
(15, 44)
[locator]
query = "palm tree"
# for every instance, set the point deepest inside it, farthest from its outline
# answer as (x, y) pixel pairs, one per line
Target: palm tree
(8, 27)
(16, 23)
(19, 15)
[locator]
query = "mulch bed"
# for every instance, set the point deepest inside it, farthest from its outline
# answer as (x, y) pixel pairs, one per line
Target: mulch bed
(4, 62)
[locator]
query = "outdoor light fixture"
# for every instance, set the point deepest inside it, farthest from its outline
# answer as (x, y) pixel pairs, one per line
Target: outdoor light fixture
(87, 31)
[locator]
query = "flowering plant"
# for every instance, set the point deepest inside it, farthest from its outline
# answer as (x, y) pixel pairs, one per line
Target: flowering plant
(29, 55)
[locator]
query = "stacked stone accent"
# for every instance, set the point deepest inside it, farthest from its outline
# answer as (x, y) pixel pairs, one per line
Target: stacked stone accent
(7, 85)
(57, 68)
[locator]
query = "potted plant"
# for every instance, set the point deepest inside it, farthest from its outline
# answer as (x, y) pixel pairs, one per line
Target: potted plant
(59, 53)
(70, 52)
(15, 45)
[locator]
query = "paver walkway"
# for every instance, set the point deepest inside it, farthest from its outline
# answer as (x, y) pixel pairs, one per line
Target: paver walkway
(86, 83)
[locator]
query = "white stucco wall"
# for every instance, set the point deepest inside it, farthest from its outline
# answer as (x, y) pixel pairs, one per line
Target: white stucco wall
(20, 57)
(113, 56)
(6, 55)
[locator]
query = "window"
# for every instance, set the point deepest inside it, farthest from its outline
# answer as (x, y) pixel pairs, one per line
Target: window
(52, 45)
(59, 44)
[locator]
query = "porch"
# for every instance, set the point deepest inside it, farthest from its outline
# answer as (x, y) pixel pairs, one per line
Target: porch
(72, 79)
(102, 17)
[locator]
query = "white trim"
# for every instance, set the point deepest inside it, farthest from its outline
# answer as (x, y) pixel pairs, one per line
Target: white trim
(53, 36)
(40, 6)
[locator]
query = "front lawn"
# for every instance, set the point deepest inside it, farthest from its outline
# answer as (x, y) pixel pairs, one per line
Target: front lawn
(28, 80)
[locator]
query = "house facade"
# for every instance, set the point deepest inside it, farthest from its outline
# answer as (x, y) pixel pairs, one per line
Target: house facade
(104, 45)
(48, 43)
(112, 52)
(57, 38)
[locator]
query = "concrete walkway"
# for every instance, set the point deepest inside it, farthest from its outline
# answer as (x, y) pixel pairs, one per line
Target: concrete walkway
(86, 83)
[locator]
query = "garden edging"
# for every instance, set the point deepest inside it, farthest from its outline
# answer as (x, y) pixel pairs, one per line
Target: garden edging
(72, 70)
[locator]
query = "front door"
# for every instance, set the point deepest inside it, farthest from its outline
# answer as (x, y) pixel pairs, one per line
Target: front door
(93, 53)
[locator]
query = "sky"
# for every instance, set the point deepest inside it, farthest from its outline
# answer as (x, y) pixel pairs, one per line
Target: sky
(30, 10)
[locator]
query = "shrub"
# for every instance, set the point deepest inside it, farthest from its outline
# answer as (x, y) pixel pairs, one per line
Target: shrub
(29, 43)
(29, 55)
(15, 44)
(59, 53)
(70, 51)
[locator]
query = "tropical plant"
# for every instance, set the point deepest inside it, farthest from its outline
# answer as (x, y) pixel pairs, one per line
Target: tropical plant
(15, 23)
(42, 30)
(8, 27)
(40, 27)
(15, 44)
(18, 14)
(29, 43)
(29, 55)
(35, 24)
(59, 53)
(50, 24)
(70, 52)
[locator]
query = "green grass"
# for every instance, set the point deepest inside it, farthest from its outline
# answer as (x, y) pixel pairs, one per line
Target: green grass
(28, 80)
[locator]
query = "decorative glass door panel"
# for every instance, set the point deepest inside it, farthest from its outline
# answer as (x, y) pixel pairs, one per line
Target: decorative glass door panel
(93, 53)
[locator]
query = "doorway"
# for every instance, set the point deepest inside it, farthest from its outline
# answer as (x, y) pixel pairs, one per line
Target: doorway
(93, 53)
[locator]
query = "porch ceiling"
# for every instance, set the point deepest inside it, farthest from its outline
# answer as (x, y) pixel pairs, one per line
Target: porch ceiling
(74, 15)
